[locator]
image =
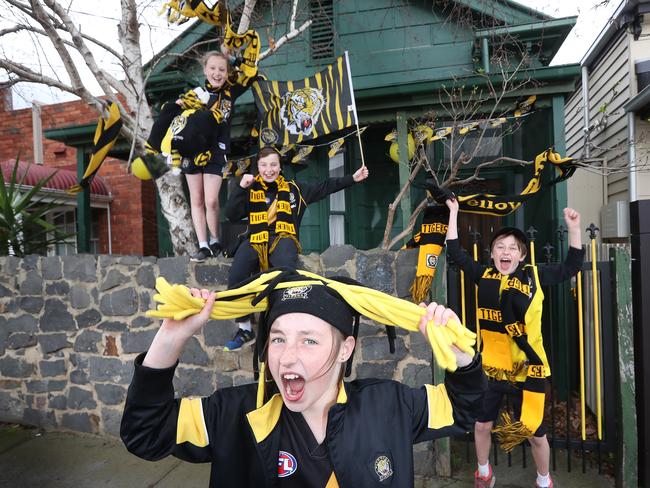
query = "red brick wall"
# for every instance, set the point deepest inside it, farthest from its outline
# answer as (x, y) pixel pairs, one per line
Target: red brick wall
(133, 212)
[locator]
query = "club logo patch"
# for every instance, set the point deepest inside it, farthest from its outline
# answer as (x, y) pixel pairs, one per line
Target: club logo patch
(287, 464)
(268, 136)
(296, 292)
(301, 108)
(432, 261)
(383, 468)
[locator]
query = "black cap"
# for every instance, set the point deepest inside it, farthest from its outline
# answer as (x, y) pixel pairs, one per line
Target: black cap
(317, 300)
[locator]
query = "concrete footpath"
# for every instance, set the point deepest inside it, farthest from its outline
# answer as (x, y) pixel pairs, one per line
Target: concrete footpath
(35, 458)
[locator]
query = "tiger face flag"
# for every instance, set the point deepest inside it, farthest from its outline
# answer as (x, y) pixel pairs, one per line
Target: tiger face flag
(291, 112)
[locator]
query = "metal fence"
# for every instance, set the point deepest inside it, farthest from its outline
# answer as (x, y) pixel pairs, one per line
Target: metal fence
(578, 327)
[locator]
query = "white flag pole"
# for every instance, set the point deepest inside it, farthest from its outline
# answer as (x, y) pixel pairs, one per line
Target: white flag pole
(353, 108)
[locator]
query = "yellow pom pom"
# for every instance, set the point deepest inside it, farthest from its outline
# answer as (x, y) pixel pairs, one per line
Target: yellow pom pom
(394, 149)
(139, 170)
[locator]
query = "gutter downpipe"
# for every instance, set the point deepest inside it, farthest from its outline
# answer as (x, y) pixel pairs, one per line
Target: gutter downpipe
(631, 155)
(585, 109)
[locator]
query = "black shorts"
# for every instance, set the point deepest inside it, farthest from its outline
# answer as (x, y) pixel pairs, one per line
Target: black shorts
(497, 389)
(214, 167)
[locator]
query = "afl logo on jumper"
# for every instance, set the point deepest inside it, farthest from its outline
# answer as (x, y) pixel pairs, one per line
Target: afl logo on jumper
(287, 464)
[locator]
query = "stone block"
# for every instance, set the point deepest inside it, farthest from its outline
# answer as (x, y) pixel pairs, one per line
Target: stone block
(140, 322)
(23, 323)
(53, 342)
(310, 262)
(381, 370)
(56, 317)
(337, 256)
(406, 262)
(58, 402)
(79, 297)
(56, 385)
(218, 332)
(37, 386)
(225, 360)
(113, 278)
(119, 303)
(223, 380)
(420, 347)
(375, 269)
(113, 326)
(20, 340)
(423, 462)
(144, 277)
(11, 264)
(16, 368)
(80, 267)
(5, 292)
(30, 262)
(140, 341)
(416, 375)
(192, 352)
(79, 399)
(80, 422)
(110, 394)
(130, 260)
(10, 384)
(59, 288)
(87, 341)
(174, 270)
(377, 348)
(38, 418)
(88, 318)
(111, 419)
(11, 408)
(51, 268)
(53, 368)
(79, 377)
(31, 304)
(110, 370)
(211, 276)
(32, 284)
(107, 260)
(146, 300)
(194, 382)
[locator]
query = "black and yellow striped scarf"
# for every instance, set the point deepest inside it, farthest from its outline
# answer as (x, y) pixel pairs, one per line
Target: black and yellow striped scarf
(503, 301)
(260, 217)
(430, 241)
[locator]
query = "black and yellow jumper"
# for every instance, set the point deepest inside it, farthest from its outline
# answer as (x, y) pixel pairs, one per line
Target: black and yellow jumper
(546, 275)
(371, 420)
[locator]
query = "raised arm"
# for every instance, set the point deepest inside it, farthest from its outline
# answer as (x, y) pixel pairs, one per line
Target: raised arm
(170, 339)
(473, 269)
(313, 192)
(554, 274)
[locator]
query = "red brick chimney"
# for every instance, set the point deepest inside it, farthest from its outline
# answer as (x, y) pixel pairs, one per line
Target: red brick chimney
(6, 100)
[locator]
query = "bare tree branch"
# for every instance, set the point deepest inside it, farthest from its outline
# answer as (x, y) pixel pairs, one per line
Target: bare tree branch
(247, 12)
(284, 39)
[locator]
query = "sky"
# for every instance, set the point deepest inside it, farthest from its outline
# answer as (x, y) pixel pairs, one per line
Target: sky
(156, 33)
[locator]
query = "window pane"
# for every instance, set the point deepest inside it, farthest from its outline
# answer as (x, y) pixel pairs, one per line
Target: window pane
(337, 230)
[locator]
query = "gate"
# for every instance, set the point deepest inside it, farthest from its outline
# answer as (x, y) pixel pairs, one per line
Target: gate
(579, 331)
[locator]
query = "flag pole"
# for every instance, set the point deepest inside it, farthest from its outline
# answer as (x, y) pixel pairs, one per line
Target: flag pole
(354, 108)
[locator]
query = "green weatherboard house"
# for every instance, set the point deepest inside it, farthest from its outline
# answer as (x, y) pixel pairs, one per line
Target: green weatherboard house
(401, 57)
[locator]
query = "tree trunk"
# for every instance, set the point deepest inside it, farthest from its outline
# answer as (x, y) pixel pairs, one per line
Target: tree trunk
(177, 212)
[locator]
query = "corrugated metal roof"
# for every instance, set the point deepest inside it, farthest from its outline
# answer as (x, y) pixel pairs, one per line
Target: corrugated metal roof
(62, 180)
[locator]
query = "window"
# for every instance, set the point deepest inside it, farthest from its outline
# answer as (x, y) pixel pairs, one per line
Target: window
(65, 219)
(337, 203)
(485, 148)
(321, 40)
